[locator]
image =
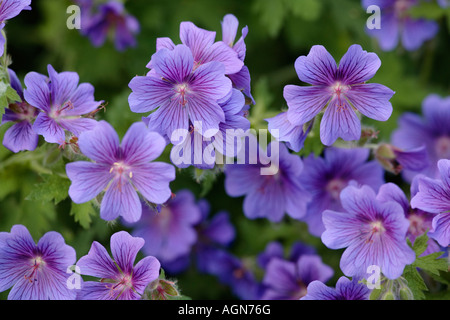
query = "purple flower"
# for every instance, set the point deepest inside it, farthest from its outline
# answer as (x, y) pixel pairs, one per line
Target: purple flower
(288, 280)
(274, 249)
(419, 220)
(395, 159)
(181, 93)
(120, 279)
(431, 130)
(109, 17)
(346, 289)
(8, 10)
(169, 233)
(325, 177)
(121, 169)
(373, 232)
(35, 271)
(21, 135)
(434, 196)
(270, 193)
(241, 79)
(294, 136)
(233, 272)
(398, 26)
(342, 89)
(63, 103)
(204, 49)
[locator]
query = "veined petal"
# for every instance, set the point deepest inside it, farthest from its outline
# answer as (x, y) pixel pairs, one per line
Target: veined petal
(82, 100)
(88, 180)
(174, 65)
(444, 170)
(11, 8)
(121, 199)
(317, 68)
(197, 39)
(77, 124)
(229, 29)
(152, 181)
(392, 192)
(372, 100)
(139, 145)
(100, 144)
(145, 271)
(441, 229)
(357, 65)
(37, 92)
(49, 128)
(339, 122)
(209, 81)
(206, 116)
(124, 249)
(20, 137)
(97, 263)
(341, 228)
(149, 92)
(62, 85)
(164, 42)
(305, 102)
(220, 52)
(432, 196)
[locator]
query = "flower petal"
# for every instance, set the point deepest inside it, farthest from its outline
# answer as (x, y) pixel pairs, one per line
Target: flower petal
(88, 180)
(372, 100)
(124, 249)
(49, 128)
(20, 137)
(62, 85)
(37, 92)
(357, 65)
(98, 263)
(317, 68)
(152, 181)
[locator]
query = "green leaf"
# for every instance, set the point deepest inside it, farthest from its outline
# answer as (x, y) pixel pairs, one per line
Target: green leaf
(420, 244)
(271, 14)
(53, 188)
(305, 9)
(415, 282)
(7, 94)
(431, 263)
(82, 213)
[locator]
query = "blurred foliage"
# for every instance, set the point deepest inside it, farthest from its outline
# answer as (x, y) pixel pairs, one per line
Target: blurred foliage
(279, 32)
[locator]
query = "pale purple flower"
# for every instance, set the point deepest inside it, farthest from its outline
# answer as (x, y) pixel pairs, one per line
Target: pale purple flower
(170, 232)
(107, 18)
(120, 278)
(121, 169)
(419, 220)
(35, 271)
(288, 280)
(397, 26)
(268, 194)
(8, 10)
(345, 289)
(63, 103)
(432, 130)
(340, 89)
(20, 136)
(373, 232)
(326, 176)
(204, 48)
(181, 93)
(434, 196)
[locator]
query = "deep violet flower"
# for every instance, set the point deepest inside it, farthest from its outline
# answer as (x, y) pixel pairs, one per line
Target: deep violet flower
(345, 289)
(169, 233)
(340, 89)
(63, 103)
(373, 232)
(181, 93)
(267, 195)
(121, 169)
(35, 271)
(434, 196)
(8, 10)
(98, 22)
(20, 136)
(432, 130)
(119, 279)
(326, 176)
(398, 26)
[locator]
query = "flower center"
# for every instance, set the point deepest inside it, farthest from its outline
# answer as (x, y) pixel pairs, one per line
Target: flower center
(375, 229)
(339, 89)
(120, 169)
(334, 188)
(120, 285)
(37, 263)
(442, 147)
(181, 91)
(24, 111)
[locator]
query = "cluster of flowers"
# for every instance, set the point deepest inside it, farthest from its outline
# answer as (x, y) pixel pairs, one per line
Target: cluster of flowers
(342, 195)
